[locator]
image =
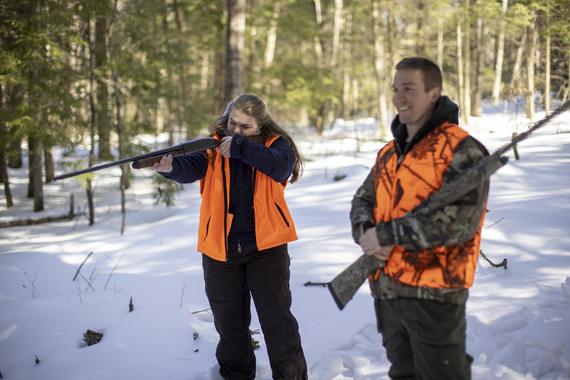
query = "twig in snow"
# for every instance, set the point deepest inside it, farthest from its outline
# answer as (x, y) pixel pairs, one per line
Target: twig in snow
(184, 286)
(79, 292)
(76, 273)
(202, 311)
(309, 283)
(88, 283)
(497, 222)
(502, 264)
(33, 291)
(116, 266)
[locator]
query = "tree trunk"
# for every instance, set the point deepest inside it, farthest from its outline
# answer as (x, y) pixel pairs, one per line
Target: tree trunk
(234, 49)
(380, 70)
(93, 126)
(422, 14)
(219, 66)
(4, 177)
(530, 63)
(271, 37)
(125, 168)
(460, 73)
(467, 60)
(36, 182)
(103, 120)
(50, 168)
(547, 64)
(500, 54)
(478, 90)
(440, 42)
(15, 99)
(337, 26)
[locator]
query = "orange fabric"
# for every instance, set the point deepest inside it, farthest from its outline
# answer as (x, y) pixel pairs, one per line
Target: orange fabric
(401, 189)
(273, 222)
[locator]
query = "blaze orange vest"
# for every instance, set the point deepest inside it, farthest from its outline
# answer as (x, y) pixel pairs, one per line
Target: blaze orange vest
(400, 189)
(273, 222)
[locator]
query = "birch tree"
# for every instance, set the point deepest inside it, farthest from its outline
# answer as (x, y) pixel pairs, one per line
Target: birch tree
(500, 54)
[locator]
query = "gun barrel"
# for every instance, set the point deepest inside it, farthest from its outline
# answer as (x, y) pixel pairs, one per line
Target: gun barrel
(147, 159)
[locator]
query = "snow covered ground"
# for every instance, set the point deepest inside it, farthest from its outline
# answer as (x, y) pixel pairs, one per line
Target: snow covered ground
(518, 318)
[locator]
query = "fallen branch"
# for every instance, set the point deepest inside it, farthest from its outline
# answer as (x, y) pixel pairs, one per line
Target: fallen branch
(29, 222)
(502, 264)
(309, 283)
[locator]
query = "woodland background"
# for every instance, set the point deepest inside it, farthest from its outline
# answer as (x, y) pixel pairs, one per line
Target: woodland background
(100, 73)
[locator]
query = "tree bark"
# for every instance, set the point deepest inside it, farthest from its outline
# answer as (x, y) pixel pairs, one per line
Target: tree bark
(380, 70)
(467, 59)
(93, 125)
(49, 165)
(4, 177)
(500, 54)
(103, 119)
(234, 49)
(478, 89)
(460, 72)
(531, 42)
(271, 37)
(547, 63)
(36, 183)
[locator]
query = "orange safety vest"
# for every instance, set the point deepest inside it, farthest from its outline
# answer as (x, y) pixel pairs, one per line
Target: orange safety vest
(273, 222)
(400, 189)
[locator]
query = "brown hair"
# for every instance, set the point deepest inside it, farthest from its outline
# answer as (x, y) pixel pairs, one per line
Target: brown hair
(253, 106)
(430, 71)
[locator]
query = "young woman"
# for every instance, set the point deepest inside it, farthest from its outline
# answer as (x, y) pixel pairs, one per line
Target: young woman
(244, 229)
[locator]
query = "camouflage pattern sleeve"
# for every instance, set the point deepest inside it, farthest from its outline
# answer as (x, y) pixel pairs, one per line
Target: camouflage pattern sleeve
(362, 210)
(453, 224)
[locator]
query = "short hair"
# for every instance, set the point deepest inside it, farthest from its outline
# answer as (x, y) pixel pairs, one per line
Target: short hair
(430, 71)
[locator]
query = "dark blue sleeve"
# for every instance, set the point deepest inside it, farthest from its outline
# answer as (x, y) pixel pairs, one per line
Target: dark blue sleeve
(188, 169)
(276, 161)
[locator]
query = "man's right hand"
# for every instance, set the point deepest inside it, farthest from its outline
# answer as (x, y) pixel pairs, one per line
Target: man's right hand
(371, 247)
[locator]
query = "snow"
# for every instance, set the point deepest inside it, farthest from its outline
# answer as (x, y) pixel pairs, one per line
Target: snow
(518, 319)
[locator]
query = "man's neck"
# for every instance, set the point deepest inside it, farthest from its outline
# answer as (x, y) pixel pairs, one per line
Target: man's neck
(412, 130)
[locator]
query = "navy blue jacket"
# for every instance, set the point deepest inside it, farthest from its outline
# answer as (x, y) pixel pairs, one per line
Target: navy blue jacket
(247, 157)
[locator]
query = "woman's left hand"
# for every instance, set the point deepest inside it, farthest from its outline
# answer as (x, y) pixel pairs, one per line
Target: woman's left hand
(224, 147)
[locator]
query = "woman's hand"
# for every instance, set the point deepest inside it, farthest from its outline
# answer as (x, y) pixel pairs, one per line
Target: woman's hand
(164, 165)
(370, 245)
(224, 147)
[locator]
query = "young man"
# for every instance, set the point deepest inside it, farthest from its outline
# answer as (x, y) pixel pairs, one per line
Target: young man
(430, 260)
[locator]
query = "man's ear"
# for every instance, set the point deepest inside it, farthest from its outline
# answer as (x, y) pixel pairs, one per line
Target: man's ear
(435, 94)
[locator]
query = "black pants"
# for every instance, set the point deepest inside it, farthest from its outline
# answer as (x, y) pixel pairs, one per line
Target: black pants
(424, 339)
(263, 275)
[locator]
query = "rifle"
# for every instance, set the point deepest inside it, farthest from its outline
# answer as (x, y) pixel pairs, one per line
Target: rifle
(346, 284)
(148, 159)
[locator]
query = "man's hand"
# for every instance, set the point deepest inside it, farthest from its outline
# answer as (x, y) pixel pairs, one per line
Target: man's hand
(164, 165)
(224, 147)
(371, 247)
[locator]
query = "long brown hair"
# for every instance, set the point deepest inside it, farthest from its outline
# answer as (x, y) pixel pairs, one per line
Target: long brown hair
(253, 106)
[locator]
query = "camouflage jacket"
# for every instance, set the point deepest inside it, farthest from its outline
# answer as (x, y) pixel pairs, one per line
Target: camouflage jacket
(453, 224)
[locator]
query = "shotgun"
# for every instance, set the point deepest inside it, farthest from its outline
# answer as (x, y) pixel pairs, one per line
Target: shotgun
(148, 159)
(346, 284)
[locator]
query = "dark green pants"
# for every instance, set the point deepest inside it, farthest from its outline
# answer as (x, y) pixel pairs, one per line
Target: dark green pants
(424, 339)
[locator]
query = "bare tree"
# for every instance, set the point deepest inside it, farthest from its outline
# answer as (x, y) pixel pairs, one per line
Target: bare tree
(234, 49)
(531, 38)
(500, 54)
(380, 69)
